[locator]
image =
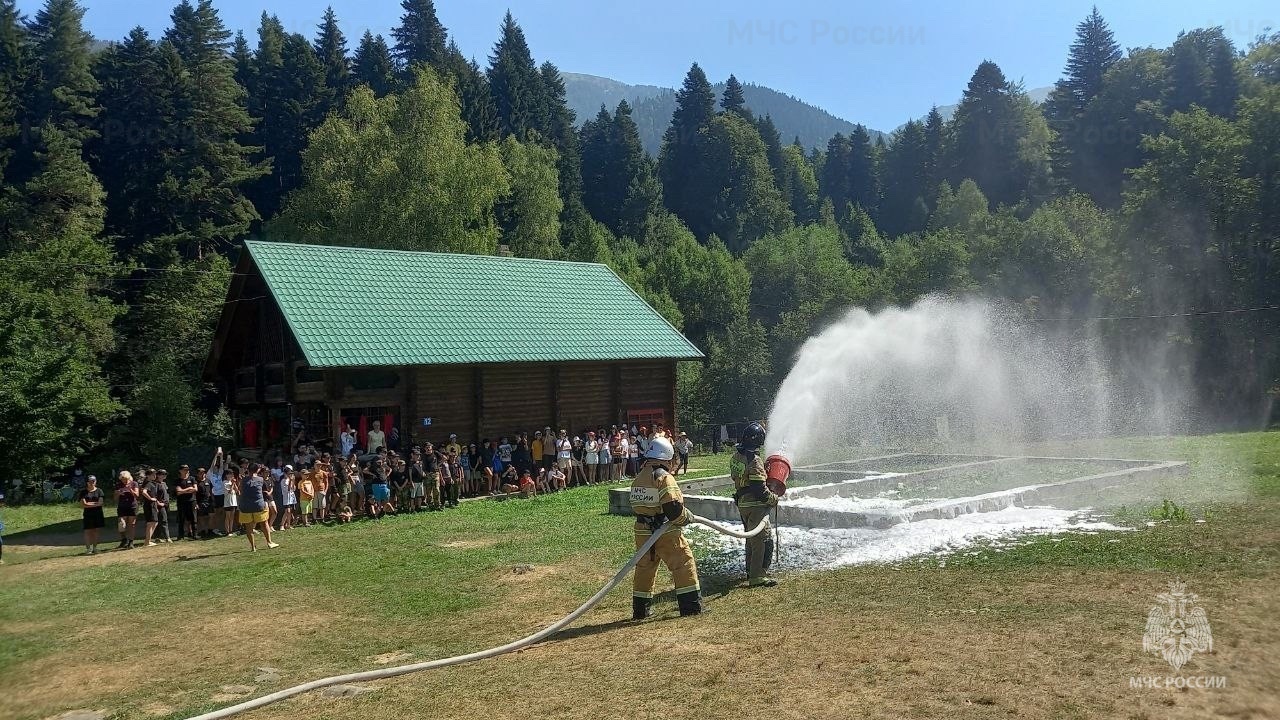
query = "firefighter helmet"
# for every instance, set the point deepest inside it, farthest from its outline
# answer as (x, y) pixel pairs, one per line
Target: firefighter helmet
(660, 449)
(752, 437)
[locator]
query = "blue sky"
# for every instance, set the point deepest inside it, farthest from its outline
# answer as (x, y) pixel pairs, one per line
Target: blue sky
(875, 63)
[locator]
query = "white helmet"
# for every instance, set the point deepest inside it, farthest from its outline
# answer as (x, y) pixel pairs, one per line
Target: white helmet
(660, 449)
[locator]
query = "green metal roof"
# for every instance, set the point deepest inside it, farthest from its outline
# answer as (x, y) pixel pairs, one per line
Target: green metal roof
(364, 307)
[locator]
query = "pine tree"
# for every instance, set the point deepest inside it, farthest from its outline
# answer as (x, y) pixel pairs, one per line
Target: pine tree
(773, 148)
(373, 65)
(802, 183)
(472, 88)
(741, 201)
(935, 129)
(242, 57)
(986, 132)
(420, 39)
(135, 133)
(619, 187)
(732, 100)
(331, 51)
(1077, 146)
(682, 165)
(208, 205)
(833, 180)
(905, 181)
(864, 182)
(55, 328)
(13, 79)
(63, 90)
(288, 97)
(515, 83)
(560, 130)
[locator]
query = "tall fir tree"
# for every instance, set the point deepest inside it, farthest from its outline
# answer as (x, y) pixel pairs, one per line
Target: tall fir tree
(472, 89)
(1078, 147)
(773, 146)
(733, 101)
(13, 80)
(62, 88)
(331, 50)
(55, 324)
(905, 181)
(849, 174)
(682, 165)
(742, 203)
(139, 98)
(242, 58)
(515, 83)
(643, 195)
(288, 99)
(209, 206)
(935, 132)
(833, 179)
(373, 65)
(420, 38)
(560, 132)
(619, 187)
(864, 180)
(986, 133)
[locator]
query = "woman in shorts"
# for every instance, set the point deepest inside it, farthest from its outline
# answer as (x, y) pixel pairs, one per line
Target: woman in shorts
(379, 489)
(254, 495)
(126, 509)
(91, 499)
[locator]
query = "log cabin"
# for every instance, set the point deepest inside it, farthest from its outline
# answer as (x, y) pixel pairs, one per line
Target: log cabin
(314, 336)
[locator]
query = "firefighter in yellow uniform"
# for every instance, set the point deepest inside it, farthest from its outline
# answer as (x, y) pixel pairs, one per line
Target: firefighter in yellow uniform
(656, 497)
(754, 503)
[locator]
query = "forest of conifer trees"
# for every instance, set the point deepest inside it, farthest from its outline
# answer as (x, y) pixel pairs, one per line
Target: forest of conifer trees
(1147, 185)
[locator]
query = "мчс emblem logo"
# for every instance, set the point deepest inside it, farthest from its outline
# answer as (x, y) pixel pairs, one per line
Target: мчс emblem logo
(1177, 626)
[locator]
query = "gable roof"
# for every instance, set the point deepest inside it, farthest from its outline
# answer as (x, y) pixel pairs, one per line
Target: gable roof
(365, 307)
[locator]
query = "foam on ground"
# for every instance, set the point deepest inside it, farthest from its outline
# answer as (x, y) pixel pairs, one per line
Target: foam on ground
(805, 549)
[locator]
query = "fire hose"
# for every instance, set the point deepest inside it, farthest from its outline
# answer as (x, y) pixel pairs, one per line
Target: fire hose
(524, 642)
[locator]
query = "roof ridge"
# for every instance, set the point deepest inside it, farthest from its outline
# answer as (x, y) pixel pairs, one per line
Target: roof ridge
(504, 258)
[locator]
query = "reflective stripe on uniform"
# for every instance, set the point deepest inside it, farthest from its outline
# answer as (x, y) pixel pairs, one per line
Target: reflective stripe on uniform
(643, 595)
(683, 590)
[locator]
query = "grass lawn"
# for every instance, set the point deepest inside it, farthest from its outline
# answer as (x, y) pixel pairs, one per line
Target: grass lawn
(1049, 629)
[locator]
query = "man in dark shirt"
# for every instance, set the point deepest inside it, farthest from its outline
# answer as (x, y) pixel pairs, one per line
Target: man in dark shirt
(186, 490)
(160, 492)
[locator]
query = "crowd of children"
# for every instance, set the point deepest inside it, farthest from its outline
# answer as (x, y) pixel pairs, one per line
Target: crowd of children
(311, 486)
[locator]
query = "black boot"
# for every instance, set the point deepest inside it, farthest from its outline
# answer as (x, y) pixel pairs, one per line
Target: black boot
(690, 603)
(641, 608)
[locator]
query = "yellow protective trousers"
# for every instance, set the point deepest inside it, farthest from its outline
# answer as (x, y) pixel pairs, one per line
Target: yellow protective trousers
(672, 550)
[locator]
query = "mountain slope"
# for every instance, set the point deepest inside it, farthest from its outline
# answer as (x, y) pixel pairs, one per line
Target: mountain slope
(652, 108)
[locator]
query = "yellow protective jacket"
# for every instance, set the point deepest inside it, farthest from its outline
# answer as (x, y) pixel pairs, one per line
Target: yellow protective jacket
(747, 471)
(655, 495)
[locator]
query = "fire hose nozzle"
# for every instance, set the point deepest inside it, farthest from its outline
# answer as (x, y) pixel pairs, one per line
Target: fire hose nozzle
(777, 470)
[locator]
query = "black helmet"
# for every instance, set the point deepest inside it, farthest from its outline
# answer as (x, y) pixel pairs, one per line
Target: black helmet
(752, 437)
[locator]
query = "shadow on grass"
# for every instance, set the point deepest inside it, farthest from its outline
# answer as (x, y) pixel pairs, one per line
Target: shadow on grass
(64, 534)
